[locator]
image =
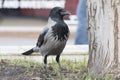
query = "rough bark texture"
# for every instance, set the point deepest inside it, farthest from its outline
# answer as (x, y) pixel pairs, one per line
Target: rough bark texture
(103, 30)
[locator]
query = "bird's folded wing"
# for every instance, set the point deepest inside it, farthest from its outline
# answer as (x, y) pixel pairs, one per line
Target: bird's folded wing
(41, 37)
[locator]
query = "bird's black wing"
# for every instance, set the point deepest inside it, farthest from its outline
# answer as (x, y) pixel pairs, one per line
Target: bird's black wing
(41, 38)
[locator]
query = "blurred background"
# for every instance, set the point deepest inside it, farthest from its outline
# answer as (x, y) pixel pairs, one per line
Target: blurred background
(22, 20)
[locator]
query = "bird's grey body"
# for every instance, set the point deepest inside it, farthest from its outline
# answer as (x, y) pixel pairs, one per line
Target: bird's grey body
(54, 46)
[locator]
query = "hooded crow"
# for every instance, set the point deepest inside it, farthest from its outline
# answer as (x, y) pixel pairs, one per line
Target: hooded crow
(54, 36)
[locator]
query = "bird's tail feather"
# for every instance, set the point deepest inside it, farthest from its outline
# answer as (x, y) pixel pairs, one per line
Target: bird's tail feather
(28, 52)
(35, 49)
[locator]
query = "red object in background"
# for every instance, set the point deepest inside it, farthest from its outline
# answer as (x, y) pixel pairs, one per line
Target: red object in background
(70, 5)
(35, 12)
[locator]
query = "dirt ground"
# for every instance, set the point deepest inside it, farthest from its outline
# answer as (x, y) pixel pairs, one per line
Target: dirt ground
(14, 72)
(10, 72)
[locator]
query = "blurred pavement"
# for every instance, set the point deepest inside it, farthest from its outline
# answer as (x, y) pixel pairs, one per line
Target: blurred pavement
(25, 31)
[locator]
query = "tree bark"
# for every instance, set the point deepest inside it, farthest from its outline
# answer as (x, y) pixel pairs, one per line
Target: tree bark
(103, 32)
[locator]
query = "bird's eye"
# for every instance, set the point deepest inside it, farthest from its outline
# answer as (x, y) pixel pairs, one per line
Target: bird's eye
(60, 10)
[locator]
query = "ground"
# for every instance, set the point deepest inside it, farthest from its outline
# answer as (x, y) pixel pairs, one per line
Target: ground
(32, 71)
(29, 70)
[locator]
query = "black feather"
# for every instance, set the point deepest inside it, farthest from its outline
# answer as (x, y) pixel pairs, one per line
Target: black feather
(60, 30)
(28, 52)
(41, 38)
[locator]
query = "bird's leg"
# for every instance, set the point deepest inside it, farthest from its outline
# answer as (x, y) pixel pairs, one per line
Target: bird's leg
(45, 62)
(60, 68)
(57, 59)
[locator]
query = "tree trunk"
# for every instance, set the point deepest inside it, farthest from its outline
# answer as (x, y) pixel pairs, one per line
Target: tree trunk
(103, 31)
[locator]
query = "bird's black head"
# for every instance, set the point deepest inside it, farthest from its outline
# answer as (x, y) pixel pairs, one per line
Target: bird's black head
(58, 12)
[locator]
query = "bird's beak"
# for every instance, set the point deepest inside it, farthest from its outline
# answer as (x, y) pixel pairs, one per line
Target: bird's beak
(65, 12)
